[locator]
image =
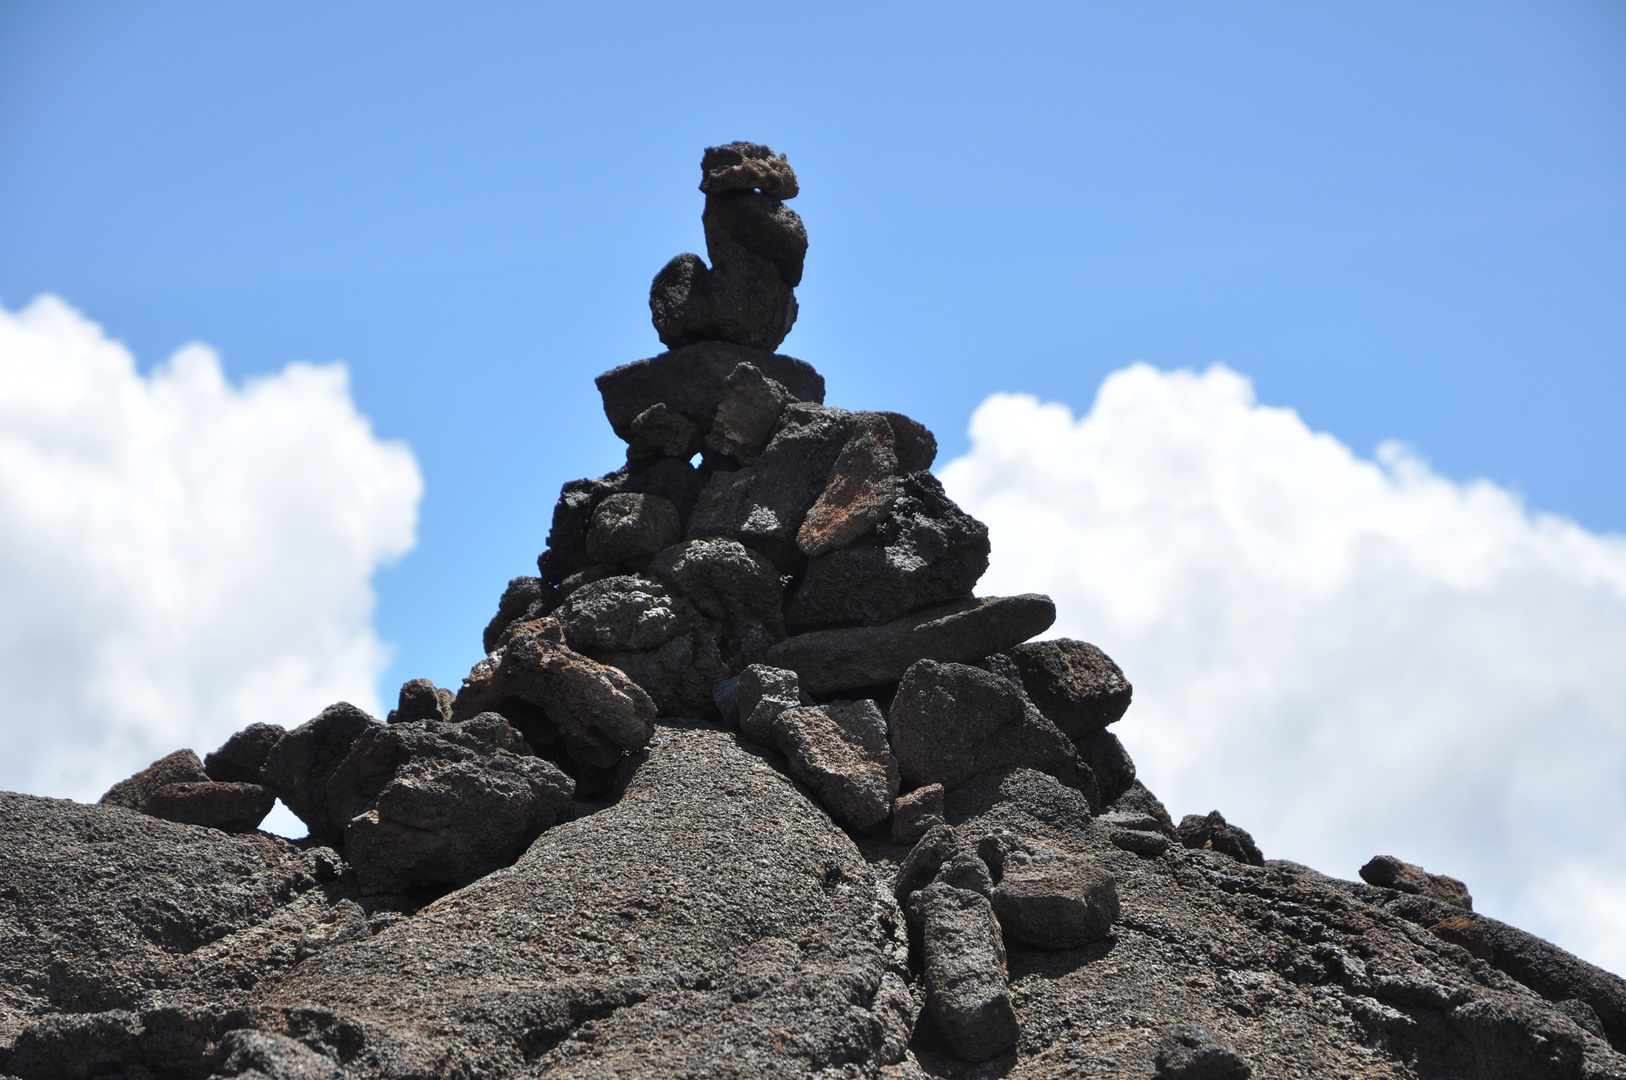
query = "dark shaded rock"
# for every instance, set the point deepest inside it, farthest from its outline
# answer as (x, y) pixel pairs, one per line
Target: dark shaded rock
(966, 995)
(1142, 842)
(1390, 873)
(1073, 683)
(1214, 833)
(999, 847)
(731, 585)
(240, 758)
(925, 859)
(622, 613)
(726, 695)
(747, 415)
(630, 528)
(231, 807)
(599, 711)
(1466, 932)
(443, 804)
(692, 381)
(678, 675)
(517, 598)
(746, 166)
(1136, 801)
(1192, 1052)
(923, 550)
(181, 767)
(762, 506)
(839, 749)
(421, 699)
(913, 442)
(1583, 1015)
(860, 491)
(168, 1041)
(303, 761)
(963, 870)
(1113, 768)
(265, 1055)
(830, 661)
(635, 942)
(760, 224)
(1056, 903)
(1020, 799)
(952, 721)
(660, 432)
(763, 693)
(915, 812)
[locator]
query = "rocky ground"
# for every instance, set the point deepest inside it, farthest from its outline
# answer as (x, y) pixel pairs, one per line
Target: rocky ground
(748, 783)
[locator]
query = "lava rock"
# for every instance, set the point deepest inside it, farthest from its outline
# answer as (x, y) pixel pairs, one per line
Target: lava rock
(763, 693)
(181, 767)
(226, 806)
(746, 166)
(763, 505)
(1390, 873)
(1193, 1052)
(303, 761)
(860, 490)
(421, 699)
(599, 711)
(922, 550)
(678, 675)
(239, 759)
(966, 995)
(839, 749)
(622, 613)
(961, 631)
(915, 812)
(1056, 903)
(925, 859)
(1216, 834)
(747, 415)
(732, 585)
(963, 870)
(265, 1055)
(1137, 801)
(1075, 684)
(913, 442)
(1111, 764)
(761, 224)
(1148, 845)
(951, 721)
(692, 382)
(662, 432)
(1466, 932)
(449, 802)
(629, 529)
(517, 599)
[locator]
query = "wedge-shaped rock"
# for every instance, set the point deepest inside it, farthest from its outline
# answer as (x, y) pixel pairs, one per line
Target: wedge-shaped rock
(962, 631)
(1113, 768)
(951, 721)
(692, 381)
(860, 489)
(177, 788)
(1056, 902)
(240, 758)
(966, 994)
(1075, 684)
(630, 527)
(1390, 873)
(747, 415)
(598, 710)
(840, 750)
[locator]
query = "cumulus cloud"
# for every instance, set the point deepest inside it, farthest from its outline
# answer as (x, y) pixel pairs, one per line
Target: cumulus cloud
(179, 556)
(1345, 656)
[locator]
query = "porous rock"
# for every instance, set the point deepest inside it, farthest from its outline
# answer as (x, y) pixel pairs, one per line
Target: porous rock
(916, 811)
(629, 528)
(240, 758)
(1056, 903)
(747, 415)
(840, 750)
(181, 767)
(859, 492)
(1193, 1052)
(961, 631)
(227, 806)
(1214, 833)
(517, 599)
(921, 550)
(1391, 873)
(732, 585)
(1075, 684)
(622, 613)
(1109, 762)
(747, 166)
(660, 431)
(265, 1055)
(421, 699)
(692, 381)
(925, 859)
(951, 721)
(763, 693)
(303, 761)
(966, 996)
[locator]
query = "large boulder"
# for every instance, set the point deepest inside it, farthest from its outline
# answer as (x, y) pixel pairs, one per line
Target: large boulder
(733, 586)
(950, 722)
(839, 749)
(1075, 684)
(177, 788)
(962, 631)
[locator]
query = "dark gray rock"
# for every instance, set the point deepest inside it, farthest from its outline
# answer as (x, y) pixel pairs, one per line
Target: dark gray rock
(303, 761)
(630, 528)
(747, 415)
(859, 492)
(1142, 842)
(443, 804)
(264, 1055)
(726, 696)
(763, 693)
(966, 995)
(240, 758)
(517, 600)
(999, 848)
(763, 505)
(662, 432)
(691, 381)
(925, 859)
(921, 550)
(1059, 902)
(181, 767)
(830, 661)
(950, 722)
(600, 712)
(421, 699)
(733, 586)
(1110, 763)
(1075, 684)
(839, 749)
(963, 870)
(622, 613)
(1025, 801)
(747, 166)
(1214, 833)
(231, 807)
(761, 224)
(1390, 873)
(913, 442)
(916, 811)
(1193, 1052)
(679, 675)
(1137, 801)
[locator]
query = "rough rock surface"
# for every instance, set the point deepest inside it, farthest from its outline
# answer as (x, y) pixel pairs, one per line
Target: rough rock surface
(840, 750)
(966, 996)
(1075, 684)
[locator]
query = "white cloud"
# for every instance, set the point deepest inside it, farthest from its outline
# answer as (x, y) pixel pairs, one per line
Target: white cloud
(1346, 657)
(179, 557)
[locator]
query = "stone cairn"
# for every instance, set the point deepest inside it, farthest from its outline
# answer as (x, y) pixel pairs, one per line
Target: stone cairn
(762, 561)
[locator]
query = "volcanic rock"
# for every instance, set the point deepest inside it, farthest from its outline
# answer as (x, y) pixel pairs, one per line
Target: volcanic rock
(1215, 833)
(731, 585)
(1056, 903)
(1390, 873)
(692, 382)
(1075, 684)
(840, 750)
(630, 528)
(1109, 762)
(303, 761)
(662, 432)
(915, 812)
(745, 166)
(966, 995)
(747, 415)
(240, 758)
(830, 661)
(761, 694)
(421, 699)
(1192, 1052)
(860, 490)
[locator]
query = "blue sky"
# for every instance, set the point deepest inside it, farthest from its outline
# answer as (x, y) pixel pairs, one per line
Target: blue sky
(1404, 221)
